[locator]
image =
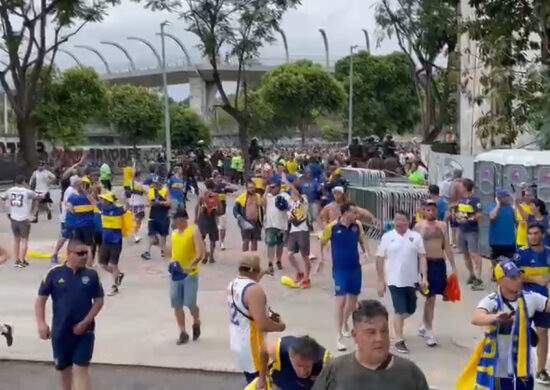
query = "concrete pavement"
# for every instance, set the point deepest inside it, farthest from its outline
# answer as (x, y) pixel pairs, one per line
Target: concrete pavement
(137, 326)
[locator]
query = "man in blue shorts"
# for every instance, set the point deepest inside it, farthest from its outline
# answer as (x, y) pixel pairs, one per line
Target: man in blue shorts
(160, 202)
(77, 297)
(533, 262)
(344, 236)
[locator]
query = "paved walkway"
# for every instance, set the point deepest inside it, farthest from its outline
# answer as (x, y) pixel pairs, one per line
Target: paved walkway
(137, 326)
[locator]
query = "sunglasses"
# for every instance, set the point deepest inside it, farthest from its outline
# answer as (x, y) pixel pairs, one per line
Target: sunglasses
(81, 253)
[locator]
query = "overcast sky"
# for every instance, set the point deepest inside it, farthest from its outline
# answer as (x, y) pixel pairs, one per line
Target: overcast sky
(342, 20)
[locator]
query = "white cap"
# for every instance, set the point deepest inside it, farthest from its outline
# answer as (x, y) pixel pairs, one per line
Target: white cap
(338, 189)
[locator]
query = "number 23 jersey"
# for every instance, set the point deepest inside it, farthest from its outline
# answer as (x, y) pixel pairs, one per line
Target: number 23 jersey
(19, 200)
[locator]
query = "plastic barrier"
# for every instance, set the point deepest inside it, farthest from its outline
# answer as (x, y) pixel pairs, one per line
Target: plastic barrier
(361, 177)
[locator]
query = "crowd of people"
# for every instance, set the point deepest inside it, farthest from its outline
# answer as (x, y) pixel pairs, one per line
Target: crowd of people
(292, 196)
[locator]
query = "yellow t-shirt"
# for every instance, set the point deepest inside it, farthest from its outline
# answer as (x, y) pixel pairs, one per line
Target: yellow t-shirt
(183, 249)
(128, 173)
(522, 225)
(292, 167)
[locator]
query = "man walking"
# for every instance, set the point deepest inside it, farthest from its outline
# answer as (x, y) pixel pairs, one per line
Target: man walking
(299, 237)
(344, 236)
(250, 317)
(399, 259)
(533, 261)
(19, 199)
(41, 179)
(64, 233)
(275, 205)
(222, 189)
(206, 213)
(77, 297)
(438, 249)
(158, 226)
(249, 213)
(468, 216)
(187, 249)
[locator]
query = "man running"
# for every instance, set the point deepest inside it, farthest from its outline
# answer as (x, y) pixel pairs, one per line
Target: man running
(19, 200)
(77, 297)
(344, 236)
(187, 250)
(331, 212)
(249, 214)
(249, 316)
(6, 330)
(206, 213)
(158, 226)
(138, 193)
(111, 242)
(64, 233)
(295, 363)
(222, 189)
(41, 179)
(299, 237)
(400, 258)
(275, 205)
(438, 248)
(533, 261)
(80, 215)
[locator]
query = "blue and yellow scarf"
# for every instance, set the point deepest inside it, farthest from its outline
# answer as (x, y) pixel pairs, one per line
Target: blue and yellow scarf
(480, 372)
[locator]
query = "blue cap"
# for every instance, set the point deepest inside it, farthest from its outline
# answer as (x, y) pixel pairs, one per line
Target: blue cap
(506, 269)
(501, 193)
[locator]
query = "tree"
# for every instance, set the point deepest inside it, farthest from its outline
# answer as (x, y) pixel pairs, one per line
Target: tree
(384, 95)
(67, 103)
(244, 26)
(186, 127)
(300, 92)
(264, 121)
(425, 30)
(135, 112)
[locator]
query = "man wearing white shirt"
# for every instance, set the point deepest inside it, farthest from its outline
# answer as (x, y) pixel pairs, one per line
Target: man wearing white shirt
(65, 235)
(298, 239)
(399, 259)
(42, 179)
(275, 223)
(19, 200)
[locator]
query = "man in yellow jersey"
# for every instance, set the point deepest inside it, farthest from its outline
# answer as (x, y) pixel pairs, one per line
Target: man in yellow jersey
(249, 316)
(523, 211)
(187, 248)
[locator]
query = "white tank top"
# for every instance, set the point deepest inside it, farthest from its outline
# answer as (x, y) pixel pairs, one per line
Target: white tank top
(139, 199)
(245, 339)
(19, 201)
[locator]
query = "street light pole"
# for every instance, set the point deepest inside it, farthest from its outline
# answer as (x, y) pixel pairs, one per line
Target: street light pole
(165, 91)
(350, 106)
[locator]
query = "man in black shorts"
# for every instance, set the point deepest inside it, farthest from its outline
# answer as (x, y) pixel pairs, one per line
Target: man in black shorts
(207, 210)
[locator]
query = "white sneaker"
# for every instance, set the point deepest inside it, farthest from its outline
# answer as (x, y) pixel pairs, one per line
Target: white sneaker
(345, 331)
(422, 331)
(340, 346)
(222, 246)
(137, 240)
(431, 341)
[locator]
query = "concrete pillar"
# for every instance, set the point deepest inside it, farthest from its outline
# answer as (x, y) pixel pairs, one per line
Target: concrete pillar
(202, 97)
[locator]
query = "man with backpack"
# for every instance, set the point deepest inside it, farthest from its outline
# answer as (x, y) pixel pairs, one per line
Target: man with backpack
(208, 208)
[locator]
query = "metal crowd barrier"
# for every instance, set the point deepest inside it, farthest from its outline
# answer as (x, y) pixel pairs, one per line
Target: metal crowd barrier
(383, 202)
(361, 177)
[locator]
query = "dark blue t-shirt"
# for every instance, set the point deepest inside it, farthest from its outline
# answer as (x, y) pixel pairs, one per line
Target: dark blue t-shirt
(72, 296)
(312, 190)
(532, 262)
(469, 206)
(502, 230)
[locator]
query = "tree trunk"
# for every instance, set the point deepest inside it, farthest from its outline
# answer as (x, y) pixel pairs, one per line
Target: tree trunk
(303, 130)
(27, 142)
(428, 104)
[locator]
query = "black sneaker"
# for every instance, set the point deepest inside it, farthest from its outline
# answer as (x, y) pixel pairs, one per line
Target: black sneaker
(113, 292)
(279, 265)
(270, 268)
(212, 261)
(205, 260)
(119, 278)
(477, 285)
(18, 264)
(8, 334)
(542, 378)
(401, 347)
(183, 339)
(471, 279)
(25, 263)
(49, 215)
(196, 331)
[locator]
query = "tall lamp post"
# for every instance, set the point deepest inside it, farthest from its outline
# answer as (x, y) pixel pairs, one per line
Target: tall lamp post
(350, 106)
(165, 91)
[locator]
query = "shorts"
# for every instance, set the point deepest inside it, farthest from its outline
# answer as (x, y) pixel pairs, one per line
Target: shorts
(274, 237)
(184, 292)
(65, 233)
(208, 226)
(109, 254)
(106, 184)
(138, 212)
(468, 242)
(347, 282)
(250, 376)
(46, 199)
(403, 299)
(542, 320)
(437, 277)
(299, 242)
(85, 235)
(69, 349)
(127, 192)
(222, 221)
(518, 384)
(98, 239)
(454, 222)
(314, 208)
(254, 234)
(160, 228)
(502, 250)
(21, 229)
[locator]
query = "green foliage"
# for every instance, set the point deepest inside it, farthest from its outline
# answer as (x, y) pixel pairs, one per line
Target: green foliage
(299, 92)
(135, 112)
(186, 127)
(265, 124)
(68, 102)
(384, 96)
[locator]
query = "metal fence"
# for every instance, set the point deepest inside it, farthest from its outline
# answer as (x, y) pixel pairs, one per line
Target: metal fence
(361, 177)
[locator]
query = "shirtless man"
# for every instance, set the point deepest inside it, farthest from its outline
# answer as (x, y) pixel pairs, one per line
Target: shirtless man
(248, 211)
(436, 243)
(331, 212)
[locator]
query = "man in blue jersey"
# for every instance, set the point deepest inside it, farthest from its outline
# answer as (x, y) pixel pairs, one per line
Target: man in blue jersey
(533, 261)
(178, 188)
(344, 236)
